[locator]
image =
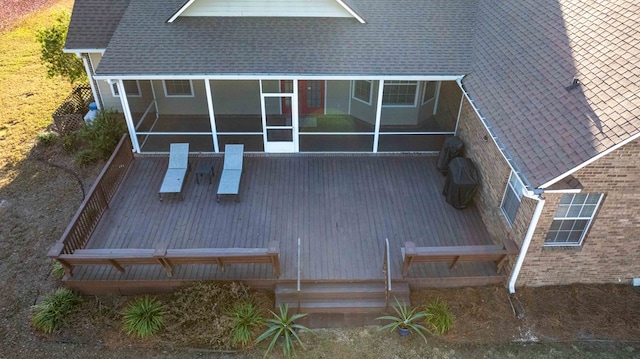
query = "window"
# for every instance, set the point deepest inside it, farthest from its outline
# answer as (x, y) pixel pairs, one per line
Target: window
(572, 219)
(399, 93)
(430, 88)
(512, 198)
(362, 91)
(177, 88)
(131, 87)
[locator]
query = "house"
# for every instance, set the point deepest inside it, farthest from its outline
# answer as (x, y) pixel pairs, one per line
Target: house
(543, 94)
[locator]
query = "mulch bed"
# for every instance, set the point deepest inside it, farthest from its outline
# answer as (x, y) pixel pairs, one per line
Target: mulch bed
(13, 10)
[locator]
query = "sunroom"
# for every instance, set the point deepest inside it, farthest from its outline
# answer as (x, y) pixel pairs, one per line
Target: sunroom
(288, 114)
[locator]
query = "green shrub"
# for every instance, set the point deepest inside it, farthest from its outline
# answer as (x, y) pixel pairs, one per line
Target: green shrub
(85, 158)
(104, 133)
(51, 39)
(144, 316)
(52, 311)
(71, 142)
(47, 138)
(245, 317)
(440, 319)
(282, 327)
(57, 270)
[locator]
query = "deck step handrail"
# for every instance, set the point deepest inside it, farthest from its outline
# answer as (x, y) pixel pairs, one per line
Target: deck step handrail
(96, 202)
(387, 272)
(170, 257)
(299, 274)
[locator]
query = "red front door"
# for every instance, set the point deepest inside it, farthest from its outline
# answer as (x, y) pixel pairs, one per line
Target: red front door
(311, 97)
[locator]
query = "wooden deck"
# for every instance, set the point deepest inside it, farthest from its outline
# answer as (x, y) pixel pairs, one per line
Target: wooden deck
(341, 206)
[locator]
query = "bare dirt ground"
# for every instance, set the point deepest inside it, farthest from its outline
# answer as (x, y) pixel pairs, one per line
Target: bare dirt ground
(39, 195)
(12, 10)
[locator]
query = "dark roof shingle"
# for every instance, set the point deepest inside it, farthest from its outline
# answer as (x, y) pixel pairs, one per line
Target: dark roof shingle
(525, 54)
(93, 23)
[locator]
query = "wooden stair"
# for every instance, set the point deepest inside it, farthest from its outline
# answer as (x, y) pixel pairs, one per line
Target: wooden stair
(341, 297)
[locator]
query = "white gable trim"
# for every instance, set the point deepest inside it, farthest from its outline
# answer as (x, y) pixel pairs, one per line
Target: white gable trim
(350, 10)
(181, 10)
(340, 2)
(591, 160)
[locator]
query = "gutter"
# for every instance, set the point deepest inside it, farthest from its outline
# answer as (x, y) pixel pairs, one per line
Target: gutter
(536, 195)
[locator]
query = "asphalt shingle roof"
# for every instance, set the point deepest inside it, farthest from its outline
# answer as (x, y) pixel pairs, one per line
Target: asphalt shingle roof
(93, 23)
(419, 37)
(525, 54)
(519, 57)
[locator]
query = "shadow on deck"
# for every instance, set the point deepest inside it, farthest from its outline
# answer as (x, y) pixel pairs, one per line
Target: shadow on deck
(341, 206)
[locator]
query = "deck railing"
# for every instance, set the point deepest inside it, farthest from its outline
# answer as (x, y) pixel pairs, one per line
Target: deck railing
(96, 202)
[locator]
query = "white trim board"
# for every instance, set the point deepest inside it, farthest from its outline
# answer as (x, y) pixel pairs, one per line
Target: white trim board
(272, 8)
(278, 77)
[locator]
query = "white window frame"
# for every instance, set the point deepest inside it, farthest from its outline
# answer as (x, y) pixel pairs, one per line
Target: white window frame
(424, 92)
(393, 83)
(166, 94)
(514, 187)
(353, 91)
(564, 217)
(114, 89)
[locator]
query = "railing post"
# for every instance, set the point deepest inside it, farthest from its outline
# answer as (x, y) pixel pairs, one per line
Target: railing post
(298, 278)
(387, 271)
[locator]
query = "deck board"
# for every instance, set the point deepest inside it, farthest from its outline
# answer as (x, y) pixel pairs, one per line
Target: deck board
(341, 206)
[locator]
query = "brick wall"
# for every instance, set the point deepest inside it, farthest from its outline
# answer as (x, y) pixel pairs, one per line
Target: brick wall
(494, 172)
(611, 250)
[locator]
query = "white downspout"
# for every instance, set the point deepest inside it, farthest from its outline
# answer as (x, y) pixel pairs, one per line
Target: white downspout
(87, 69)
(527, 240)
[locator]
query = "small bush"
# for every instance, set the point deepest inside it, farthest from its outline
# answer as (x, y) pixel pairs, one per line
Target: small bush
(104, 133)
(85, 158)
(144, 316)
(245, 317)
(52, 311)
(57, 270)
(440, 320)
(71, 142)
(47, 138)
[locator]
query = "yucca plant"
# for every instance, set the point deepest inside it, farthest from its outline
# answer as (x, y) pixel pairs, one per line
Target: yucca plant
(283, 326)
(440, 319)
(407, 320)
(144, 316)
(51, 312)
(245, 317)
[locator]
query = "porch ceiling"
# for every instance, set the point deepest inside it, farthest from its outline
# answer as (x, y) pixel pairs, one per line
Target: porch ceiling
(342, 207)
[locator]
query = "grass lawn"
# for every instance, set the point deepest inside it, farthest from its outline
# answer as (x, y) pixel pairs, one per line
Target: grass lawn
(28, 97)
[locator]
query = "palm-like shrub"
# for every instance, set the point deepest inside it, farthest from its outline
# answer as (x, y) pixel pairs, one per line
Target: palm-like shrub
(406, 318)
(283, 326)
(245, 317)
(440, 320)
(144, 316)
(51, 312)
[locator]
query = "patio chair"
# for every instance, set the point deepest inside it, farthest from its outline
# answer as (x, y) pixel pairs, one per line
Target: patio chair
(231, 172)
(176, 171)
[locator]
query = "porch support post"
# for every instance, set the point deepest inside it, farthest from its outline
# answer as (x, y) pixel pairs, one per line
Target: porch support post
(459, 112)
(295, 122)
(212, 117)
(89, 71)
(376, 136)
(127, 116)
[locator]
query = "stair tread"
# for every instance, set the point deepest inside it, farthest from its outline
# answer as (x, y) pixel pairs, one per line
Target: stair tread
(341, 288)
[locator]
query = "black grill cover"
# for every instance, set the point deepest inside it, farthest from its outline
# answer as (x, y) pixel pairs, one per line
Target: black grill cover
(451, 148)
(461, 183)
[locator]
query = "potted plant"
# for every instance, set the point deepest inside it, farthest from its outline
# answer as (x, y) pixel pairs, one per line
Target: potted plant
(406, 321)
(283, 327)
